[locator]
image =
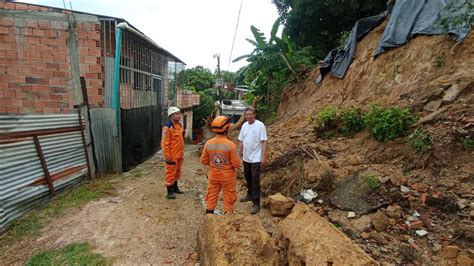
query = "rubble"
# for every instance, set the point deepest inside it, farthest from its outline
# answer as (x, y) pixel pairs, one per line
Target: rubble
(279, 205)
(235, 240)
(309, 243)
(394, 211)
(451, 252)
(380, 220)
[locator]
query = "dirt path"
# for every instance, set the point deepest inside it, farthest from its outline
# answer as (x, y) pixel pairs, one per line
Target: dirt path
(137, 225)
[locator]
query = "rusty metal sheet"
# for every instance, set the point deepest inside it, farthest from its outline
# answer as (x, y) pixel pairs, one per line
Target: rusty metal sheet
(22, 179)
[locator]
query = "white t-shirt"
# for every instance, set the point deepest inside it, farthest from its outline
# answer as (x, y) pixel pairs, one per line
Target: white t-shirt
(252, 136)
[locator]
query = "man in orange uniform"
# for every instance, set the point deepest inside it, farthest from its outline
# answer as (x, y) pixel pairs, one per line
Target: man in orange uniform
(172, 144)
(221, 155)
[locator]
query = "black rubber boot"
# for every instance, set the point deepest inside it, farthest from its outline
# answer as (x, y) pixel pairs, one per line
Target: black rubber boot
(170, 194)
(176, 188)
(255, 209)
(210, 211)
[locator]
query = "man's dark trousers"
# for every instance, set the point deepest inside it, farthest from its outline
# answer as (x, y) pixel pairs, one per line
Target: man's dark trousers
(252, 176)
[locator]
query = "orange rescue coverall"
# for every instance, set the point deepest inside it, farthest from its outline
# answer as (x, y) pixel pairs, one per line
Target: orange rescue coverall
(172, 144)
(220, 154)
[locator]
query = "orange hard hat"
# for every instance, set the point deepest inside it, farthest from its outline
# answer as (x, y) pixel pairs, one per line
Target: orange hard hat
(220, 124)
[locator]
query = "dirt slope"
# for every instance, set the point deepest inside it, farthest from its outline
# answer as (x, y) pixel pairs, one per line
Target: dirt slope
(422, 76)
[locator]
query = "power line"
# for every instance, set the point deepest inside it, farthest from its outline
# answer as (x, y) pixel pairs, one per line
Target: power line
(235, 33)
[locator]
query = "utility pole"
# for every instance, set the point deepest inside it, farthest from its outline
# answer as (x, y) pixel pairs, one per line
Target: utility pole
(219, 82)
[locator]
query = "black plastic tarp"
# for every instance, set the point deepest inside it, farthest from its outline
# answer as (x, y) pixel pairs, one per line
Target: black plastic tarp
(342, 58)
(410, 18)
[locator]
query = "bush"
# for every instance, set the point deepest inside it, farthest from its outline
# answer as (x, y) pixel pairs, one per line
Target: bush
(388, 123)
(351, 122)
(326, 118)
(420, 140)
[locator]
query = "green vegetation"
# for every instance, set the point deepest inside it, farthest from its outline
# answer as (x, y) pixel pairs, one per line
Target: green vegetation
(352, 121)
(420, 140)
(457, 13)
(384, 123)
(466, 143)
(388, 123)
(439, 61)
(73, 254)
(372, 182)
(326, 118)
(32, 223)
(319, 25)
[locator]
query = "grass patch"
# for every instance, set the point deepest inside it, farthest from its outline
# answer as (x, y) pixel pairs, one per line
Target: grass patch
(420, 140)
(372, 182)
(32, 223)
(73, 254)
(466, 143)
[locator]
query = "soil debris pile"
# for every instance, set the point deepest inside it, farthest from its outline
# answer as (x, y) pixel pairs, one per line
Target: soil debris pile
(235, 240)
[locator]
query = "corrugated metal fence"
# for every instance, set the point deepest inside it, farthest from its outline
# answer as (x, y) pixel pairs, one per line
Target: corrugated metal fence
(107, 142)
(39, 156)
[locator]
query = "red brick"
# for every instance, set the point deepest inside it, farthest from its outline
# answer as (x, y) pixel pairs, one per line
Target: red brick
(51, 33)
(55, 82)
(61, 74)
(47, 56)
(35, 80)
(96, 68)
(44, 24)
(56, 96)
(9, 39)
(43, 8)
(47, 74)
(89, 60)
(40, 104)
(83, 51)
(95, 52)
(11, 54)
(32, 23)
(47, 41)
(28, 103)
(3, 30)
(32, 40)
(7, 21)
(13, 110)
(48, 111)
(9, 94)
(9, 6)
(59, 58)
(5, 46)
(21, 6)
(26, 32)
(3, 109)
(37, 32)
(5, 101)
(17, 102)
(52, 104)
(33, 8)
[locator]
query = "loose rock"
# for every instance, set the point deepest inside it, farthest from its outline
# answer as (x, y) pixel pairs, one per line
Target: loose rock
(394, 211)
(280, 205)
(451, 252)
(379, 238)
(380, 221)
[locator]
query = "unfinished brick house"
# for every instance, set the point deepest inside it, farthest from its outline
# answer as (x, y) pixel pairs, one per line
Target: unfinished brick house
(68, 109)
(44, 53)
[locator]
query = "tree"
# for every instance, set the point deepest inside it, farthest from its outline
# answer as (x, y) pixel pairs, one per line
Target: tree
(319, 23)
(199, 78)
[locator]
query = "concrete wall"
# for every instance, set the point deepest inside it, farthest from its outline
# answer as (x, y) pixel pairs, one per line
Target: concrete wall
(37, 57)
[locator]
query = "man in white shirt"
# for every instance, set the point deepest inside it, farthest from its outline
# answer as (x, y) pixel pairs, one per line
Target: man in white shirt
(252, 146)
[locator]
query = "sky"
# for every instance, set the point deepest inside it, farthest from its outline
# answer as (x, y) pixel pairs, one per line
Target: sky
(192, 30)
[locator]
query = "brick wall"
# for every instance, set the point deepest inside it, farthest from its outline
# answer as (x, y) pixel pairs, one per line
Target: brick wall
(186, 99)
(35, 62)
